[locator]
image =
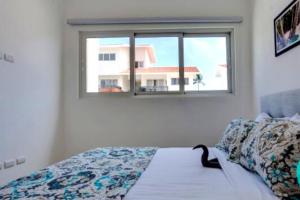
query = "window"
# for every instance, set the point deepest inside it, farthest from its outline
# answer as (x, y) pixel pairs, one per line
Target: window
(108, 83)
(112, 56)
(155, 86)
(101, 56)
(205, 62)
(167, 62)
(101, 74)
(139, 64)
(107, 57)
(109, 86)
(175, 81)
(160, 56)
(186, 81)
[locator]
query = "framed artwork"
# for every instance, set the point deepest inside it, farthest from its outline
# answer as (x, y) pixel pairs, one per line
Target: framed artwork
(287, 28)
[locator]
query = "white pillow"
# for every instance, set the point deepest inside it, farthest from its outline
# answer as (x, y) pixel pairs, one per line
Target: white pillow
(263, 117)
(296, 118)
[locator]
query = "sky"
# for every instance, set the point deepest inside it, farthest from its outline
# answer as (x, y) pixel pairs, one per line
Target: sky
(206, 53)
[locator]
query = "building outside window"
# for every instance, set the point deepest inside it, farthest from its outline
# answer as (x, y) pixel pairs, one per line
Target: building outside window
(161, 60)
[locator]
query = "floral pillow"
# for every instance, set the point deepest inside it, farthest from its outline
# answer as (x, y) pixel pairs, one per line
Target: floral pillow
(234, 135)
(248, 148)
(273, 151)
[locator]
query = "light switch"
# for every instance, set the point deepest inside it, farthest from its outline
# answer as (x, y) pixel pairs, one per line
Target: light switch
(20, 160)
(9, 164)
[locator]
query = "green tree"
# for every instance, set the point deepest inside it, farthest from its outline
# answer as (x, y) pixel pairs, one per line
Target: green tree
(198, 80)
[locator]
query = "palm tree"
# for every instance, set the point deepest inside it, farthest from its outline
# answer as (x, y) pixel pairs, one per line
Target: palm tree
(198, 80)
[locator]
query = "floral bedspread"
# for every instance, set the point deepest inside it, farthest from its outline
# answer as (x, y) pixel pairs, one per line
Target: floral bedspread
(103, 173)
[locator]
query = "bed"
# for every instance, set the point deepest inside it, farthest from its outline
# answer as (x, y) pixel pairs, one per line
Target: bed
(177, 174)
(150, 173)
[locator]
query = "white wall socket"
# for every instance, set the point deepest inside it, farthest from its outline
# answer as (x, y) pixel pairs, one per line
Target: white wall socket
(20, 160)
(9, 58)
(9, 164)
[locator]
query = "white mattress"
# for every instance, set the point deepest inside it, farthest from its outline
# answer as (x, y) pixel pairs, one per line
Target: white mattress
(177, 174)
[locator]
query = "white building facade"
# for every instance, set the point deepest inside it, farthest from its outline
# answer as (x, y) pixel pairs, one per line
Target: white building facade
(108, 70)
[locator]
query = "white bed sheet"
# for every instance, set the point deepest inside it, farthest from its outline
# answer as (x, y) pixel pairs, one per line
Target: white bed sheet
(177, 174)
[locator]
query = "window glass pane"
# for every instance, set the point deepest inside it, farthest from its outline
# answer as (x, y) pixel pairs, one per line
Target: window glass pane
(205, 61)
(107, 65)
(112, 56)
(106, 56)
(186, 81)
(173, 81)
(156, 65)
(101, 56)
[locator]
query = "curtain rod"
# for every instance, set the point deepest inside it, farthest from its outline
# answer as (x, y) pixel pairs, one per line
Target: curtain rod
(156, 20)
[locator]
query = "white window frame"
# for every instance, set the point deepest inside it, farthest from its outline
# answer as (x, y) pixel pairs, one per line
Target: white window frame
(229, 33)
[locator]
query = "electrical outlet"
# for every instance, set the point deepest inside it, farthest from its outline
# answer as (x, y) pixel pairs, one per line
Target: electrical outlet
(20, 160)
(9, 164)
(9, 58)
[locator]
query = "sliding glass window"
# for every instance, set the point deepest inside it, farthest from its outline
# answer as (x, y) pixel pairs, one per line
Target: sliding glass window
(107, 65)
(156, 63)
(206, 62)
(168, 62)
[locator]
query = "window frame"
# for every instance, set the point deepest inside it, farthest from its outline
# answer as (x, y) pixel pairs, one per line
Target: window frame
(181, 33)
(161, 35)
(83, 36)
(230, 63)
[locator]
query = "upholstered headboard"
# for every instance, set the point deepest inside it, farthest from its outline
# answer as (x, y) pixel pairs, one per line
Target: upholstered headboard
(283, 104)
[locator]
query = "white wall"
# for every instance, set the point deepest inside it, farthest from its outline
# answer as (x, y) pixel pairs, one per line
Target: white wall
(30, 88)
(271, 74)
(173, 121)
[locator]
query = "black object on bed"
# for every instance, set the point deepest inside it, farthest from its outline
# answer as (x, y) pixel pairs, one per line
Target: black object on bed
(213, 163)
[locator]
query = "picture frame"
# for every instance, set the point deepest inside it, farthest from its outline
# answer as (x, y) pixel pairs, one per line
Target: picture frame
(287, 28)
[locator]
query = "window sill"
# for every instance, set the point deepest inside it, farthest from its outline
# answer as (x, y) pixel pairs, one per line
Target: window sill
(203, 94)
(187, 95)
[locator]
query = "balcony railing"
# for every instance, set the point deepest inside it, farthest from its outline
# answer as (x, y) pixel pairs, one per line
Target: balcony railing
(154, 89)
(110, 89)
